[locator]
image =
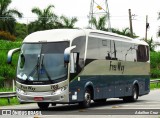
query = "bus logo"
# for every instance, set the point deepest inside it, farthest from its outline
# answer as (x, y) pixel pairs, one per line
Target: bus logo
(118, 67)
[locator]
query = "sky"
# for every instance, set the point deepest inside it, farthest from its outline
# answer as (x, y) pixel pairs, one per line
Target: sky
(118, 12)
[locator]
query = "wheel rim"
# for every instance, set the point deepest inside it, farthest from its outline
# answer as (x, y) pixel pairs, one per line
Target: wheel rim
(135, 94)
(87, 98)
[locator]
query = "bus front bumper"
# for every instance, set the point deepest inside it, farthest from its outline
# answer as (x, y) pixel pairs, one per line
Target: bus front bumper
(59, 96)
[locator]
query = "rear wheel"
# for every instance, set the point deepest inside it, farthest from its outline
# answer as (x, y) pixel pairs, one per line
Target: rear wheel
(87, 99)
(134, 96)
(43, 105)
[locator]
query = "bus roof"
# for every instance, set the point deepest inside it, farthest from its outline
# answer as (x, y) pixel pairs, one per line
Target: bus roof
(56, 35)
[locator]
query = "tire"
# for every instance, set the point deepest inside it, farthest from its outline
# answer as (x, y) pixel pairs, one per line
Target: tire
(43, 105)
(134, 96)
(87, 99)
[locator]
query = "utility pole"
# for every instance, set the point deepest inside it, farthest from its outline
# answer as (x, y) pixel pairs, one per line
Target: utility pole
(130, 22)
(147, 25)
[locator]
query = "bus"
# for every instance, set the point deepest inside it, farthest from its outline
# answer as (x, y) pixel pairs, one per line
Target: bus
(65, 66)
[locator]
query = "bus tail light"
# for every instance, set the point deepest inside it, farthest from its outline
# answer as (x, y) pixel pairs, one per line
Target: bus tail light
(38, 98)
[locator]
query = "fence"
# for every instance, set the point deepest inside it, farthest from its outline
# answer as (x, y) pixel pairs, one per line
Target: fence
(156, 81)
(7, 95)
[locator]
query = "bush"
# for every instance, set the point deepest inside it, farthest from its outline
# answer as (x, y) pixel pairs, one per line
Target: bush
(8, 71)
(7, 36)
(155, 64)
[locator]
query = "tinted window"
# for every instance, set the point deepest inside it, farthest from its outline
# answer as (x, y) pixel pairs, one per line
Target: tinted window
(93, 48)
(142, 53)
(80, 43)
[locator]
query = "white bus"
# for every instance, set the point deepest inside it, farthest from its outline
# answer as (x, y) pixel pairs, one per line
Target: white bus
(64, 66)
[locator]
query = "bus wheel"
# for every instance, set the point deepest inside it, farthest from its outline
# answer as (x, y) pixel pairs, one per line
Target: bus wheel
(134, 96)
(43, 105)
(87, 99)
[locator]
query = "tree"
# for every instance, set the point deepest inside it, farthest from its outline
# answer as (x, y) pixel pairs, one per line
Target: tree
(46, 19)
(127, 32)
(67, 22)
(100, 24)
(7, 20)
(21, 30)
(124, 32)
(151, 44)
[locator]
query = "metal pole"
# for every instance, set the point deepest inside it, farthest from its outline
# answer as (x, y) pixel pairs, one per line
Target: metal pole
(13, 82)
(130, 22)
(146, 28)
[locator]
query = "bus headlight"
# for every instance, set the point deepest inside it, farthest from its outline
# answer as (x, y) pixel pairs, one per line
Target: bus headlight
(60, 90)
(20, 91)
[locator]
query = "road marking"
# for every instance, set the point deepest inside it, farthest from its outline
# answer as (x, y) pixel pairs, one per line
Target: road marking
(141, 105)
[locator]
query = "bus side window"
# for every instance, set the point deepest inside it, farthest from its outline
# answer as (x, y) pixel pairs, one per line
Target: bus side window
(142, 53)
(74, 62)
(80, 43)
(111, 50)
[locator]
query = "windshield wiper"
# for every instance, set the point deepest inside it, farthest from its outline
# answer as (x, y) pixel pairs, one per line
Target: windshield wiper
(35, 68)
(43, 67)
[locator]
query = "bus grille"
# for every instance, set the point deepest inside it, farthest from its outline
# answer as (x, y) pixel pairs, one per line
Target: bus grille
(39, 93)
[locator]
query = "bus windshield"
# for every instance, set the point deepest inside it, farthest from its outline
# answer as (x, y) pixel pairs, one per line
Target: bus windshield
(42, 61)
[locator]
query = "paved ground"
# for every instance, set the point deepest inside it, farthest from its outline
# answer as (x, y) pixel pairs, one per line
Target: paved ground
(113, 108)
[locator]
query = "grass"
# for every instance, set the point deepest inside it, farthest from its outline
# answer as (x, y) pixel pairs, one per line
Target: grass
(6, 89)
(13, 101)
(154, 86)
(4, 101)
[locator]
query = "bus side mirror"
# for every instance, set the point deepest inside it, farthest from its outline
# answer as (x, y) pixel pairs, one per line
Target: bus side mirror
(67, 53)
(10, 54)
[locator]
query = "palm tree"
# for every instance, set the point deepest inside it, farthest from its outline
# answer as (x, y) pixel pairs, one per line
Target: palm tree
(151, 44)
(7, 20)
(100, 24)
(68, 22)
(46, 19)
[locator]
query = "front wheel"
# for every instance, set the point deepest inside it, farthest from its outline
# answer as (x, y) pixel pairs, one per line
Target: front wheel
(87, 99)
(43, 105)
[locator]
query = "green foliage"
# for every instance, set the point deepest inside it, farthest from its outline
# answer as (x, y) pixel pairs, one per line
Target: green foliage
(21, 30)
(151, 44)
(46, 19)
(7, 36)
(155, 64)
(8, 71)
(4, 101)
(124, 32)
(98, 24)
(7, 20)
(154, 85)
(67, 22)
